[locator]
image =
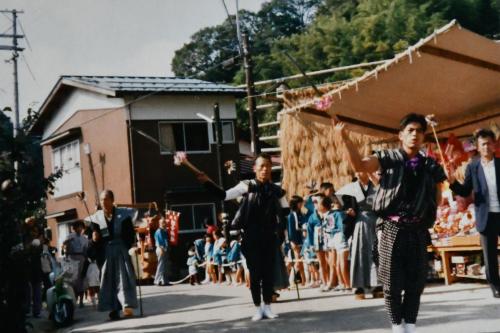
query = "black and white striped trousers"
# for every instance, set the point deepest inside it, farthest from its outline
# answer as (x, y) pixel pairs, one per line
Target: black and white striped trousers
(403, 268)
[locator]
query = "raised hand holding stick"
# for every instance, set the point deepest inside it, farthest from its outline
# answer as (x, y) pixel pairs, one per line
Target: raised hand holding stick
(431, 120)
(180, 158)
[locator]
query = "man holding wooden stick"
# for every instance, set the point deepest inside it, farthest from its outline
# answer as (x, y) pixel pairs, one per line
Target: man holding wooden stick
(405, 204)
(261, 218)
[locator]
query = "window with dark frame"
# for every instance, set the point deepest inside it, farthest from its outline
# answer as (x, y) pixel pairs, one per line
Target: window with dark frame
(227, 131)
(193, 216)
(184, 136)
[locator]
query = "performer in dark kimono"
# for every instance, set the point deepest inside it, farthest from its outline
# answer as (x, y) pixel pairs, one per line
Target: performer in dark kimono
(406, 204)
(118, 289)
(261, 217)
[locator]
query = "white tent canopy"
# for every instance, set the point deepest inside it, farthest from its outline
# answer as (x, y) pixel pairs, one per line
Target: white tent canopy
(453, 73)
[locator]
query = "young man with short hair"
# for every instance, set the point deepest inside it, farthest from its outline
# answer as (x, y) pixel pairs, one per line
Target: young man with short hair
(261, 217)
(406, 204)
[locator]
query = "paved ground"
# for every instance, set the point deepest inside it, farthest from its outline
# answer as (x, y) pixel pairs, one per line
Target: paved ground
(464, 307)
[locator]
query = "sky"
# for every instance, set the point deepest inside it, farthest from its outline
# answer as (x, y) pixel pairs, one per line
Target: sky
(99, 37)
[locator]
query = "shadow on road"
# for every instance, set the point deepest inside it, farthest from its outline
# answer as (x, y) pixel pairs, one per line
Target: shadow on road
(364, 316)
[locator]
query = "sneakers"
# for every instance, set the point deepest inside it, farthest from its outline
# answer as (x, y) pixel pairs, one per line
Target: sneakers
(398, 328)
(496, 291)
(259, 315)
(263, 311)
(267, 313)
(410, 328)
(340, 287)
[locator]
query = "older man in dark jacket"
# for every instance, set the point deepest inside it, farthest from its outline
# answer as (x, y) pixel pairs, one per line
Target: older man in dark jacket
(482, 177)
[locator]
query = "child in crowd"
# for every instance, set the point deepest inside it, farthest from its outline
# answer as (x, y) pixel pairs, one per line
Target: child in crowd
(96, 256)
(209, 248)
(193, 264)
(316, 235)
(94, 281)
(294, 234)
(233, 258)
(341, 247)
(218, 254)
(199, 249)
(312, 267)
(333, 218)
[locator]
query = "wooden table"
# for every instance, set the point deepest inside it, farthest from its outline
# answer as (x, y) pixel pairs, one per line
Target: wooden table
(446, 252)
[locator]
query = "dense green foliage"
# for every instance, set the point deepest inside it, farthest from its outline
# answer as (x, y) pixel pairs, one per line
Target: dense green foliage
(325, 34)
(23, 193)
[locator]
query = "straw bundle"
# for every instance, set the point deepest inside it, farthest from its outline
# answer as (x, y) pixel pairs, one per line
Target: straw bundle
(311, 152)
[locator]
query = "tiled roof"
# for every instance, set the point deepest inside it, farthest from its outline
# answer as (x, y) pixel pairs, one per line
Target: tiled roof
(153, 83)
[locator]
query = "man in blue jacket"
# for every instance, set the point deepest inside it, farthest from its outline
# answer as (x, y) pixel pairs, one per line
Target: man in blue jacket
(481, 177)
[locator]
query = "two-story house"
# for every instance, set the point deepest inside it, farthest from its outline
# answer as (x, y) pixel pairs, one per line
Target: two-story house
(90, 129)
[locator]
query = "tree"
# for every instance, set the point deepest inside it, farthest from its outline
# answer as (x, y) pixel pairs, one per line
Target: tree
(488, 18)
(22, 194)
(211, 46)
(325, 34)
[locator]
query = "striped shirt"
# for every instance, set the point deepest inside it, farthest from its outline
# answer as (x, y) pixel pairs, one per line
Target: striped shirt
(397, 197)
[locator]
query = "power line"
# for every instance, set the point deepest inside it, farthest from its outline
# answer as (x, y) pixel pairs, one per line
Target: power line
(193, 76)
(320, 72)
(273, 93)
(140, 98)
(227, 12)
(7, 16)
(29, 68)
(8, 29)
(25, 36)
(236, 26)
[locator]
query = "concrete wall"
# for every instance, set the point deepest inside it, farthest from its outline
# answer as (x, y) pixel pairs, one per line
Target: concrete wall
(106, 132)
(105, 129)
(78, 100)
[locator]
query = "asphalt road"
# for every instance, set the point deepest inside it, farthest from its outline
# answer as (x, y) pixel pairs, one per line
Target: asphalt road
(462, 307)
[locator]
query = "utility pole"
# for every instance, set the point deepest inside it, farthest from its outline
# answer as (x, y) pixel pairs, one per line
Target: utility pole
(220, 167)
(15, 49)
(218, 134)
(252, 112)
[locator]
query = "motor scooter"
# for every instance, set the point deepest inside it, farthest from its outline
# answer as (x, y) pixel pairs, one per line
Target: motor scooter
(61, 300)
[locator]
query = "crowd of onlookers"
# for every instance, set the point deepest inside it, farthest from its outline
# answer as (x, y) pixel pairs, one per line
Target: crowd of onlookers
(315, 247)
(81, 259)
(315, 251)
